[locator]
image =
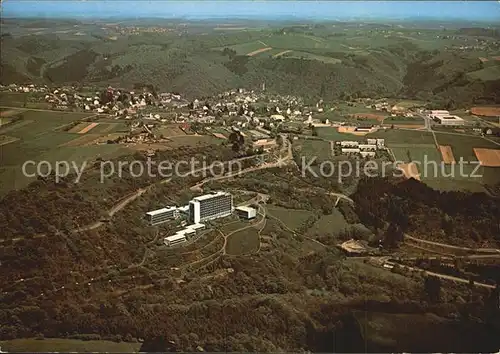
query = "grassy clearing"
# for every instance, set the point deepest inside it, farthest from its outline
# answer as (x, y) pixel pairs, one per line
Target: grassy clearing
(486, 74)
(293, 218)
(311, 56)
(318, 148)
(329, 224)
(233, 226)
(245, 48)
(67, 345)
(243, 242)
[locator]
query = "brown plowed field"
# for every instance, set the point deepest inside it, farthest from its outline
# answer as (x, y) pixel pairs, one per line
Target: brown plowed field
(88, 128)
(488, 157)
(77, 128)
(486, 111)
(447, 154)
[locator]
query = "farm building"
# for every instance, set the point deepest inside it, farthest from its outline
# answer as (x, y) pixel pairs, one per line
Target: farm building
(448, 120)
(492, 131)
(364, 128)
(160, 216)
(380, 143)
(246, 212)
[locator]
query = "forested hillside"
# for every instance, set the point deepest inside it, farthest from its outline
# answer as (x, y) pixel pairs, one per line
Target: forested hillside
(204, 64)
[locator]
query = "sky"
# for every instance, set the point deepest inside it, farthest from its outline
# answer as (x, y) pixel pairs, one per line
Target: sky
(316, 10)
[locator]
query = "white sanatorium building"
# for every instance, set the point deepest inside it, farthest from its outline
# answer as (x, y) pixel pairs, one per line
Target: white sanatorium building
(183, 235)
(210, 206)
(160, 216)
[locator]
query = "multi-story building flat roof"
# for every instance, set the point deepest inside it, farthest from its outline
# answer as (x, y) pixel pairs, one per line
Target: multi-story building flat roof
(209, 196)
(175, 237)
(160, 211)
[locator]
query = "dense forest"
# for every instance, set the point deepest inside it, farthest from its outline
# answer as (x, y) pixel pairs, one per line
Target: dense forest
(465, 219)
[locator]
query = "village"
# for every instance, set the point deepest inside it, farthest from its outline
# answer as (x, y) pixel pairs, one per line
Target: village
(253, 116)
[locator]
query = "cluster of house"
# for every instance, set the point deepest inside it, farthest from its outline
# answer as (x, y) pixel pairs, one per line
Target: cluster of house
(206, 207)
(367, 149)
(23, 88)
(132, 30)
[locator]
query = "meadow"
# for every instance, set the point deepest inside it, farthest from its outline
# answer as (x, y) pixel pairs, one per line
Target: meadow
(331, 224)
(292, 218)
(318, 148)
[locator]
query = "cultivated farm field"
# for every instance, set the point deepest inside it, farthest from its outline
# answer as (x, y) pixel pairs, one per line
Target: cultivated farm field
(40, 137)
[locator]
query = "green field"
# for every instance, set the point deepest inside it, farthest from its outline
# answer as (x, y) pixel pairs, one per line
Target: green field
(67, 345)
(404, 120)
(463, 145)
(333, 134)
(416, 152)
(443, 177)
(398, 136)
(486, 74)
(243, 242)
(39, 137)
(292, 218)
